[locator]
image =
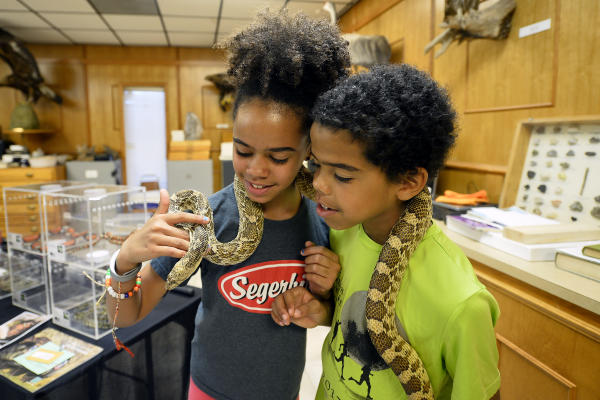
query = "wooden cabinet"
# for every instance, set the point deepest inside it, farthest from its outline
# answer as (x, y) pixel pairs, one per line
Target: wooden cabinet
(549, 348)
(548, 333)
(27, 212)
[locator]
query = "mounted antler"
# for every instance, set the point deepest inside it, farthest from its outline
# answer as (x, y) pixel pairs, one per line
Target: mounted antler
(465, 19)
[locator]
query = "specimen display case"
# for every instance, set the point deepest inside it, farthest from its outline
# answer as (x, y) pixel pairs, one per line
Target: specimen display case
(84, 226)
(26, 245)
(554, 169)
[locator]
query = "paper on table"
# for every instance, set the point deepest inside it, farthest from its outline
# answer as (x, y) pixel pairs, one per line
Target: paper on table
(28, 360)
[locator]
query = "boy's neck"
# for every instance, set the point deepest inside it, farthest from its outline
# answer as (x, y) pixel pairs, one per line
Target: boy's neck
(378, 229)
(284, 206)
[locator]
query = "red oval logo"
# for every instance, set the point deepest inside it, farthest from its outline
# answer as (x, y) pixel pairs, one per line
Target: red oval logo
(254, 287)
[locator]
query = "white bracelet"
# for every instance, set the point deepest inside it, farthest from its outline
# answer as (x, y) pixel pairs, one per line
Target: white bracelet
(114, 294)
(127, 276)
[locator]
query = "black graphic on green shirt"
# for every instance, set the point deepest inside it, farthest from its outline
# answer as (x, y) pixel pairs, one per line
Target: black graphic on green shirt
(365, 377)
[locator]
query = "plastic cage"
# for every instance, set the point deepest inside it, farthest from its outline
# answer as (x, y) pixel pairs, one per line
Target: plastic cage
(26, 247)
(84, 228)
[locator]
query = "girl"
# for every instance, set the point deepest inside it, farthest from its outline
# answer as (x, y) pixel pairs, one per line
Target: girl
(280, 65)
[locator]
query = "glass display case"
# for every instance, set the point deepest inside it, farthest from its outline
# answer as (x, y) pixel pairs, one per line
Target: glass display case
(4, 275)
(26, 247)
(84, 226)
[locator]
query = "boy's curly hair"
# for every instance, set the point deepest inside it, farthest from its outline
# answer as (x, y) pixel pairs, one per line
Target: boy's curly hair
(286, 59)
(400, 114)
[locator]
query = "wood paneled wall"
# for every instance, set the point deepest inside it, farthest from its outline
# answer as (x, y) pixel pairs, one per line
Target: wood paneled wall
(495, 84)
(91, 80)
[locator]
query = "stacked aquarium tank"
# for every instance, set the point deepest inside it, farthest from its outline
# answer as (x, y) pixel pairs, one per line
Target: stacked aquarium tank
(23, 269)
(84, 227)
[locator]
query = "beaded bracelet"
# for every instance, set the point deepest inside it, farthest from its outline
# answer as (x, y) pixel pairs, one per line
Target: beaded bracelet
(126, 295)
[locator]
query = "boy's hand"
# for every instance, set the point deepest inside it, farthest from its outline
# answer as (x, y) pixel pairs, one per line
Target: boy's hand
(300, 307)
(158, 237)
(322, 269)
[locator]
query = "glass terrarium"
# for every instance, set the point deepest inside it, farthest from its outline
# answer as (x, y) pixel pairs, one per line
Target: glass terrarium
(4, 275)
(85, 226)
(26, 246)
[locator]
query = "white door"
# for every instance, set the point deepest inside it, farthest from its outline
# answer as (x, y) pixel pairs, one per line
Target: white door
(144, 116)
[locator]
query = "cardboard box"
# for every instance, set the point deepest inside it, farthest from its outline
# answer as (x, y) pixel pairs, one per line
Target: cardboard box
(189, 150)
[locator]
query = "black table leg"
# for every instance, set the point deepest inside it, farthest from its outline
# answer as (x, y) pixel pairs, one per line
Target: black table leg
(149, 366)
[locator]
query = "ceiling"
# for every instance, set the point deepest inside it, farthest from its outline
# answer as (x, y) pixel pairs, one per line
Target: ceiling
(193, 23)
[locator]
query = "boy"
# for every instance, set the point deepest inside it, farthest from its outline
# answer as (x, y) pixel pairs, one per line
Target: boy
(376, 138)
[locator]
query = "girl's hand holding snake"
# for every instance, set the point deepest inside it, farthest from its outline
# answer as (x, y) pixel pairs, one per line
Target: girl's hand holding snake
(300, 307)
(322, 269)
(158, 237)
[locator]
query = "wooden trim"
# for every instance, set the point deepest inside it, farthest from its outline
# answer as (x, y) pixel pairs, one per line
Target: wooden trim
(566, 120)
(574, 317)
(476, 167)
(556, 50)
(87, 100)
(571, 387)
(121, 129)
(508, 108)
(552, 102)
(431, 35)
(178, 90)
(115, 97)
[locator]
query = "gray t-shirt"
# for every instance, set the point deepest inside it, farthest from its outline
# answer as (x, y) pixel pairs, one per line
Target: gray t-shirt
(238, 352)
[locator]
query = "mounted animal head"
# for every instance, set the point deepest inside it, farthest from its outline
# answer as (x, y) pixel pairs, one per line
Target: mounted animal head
(226, 89)
(365, 50)
(467, 19)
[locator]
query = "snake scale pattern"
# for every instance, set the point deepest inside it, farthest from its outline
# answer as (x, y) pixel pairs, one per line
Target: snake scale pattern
(383, 288)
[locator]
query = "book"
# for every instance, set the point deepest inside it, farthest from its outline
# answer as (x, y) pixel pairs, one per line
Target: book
(35, 361)
(491, 234)
(19, 326)
(562, 232)
(573, 260)
(470, 226)
(592, 250)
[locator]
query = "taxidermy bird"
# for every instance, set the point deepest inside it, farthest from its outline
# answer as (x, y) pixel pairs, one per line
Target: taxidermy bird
(465, 19)
(226, 88)
(25, 75)
(365, 50)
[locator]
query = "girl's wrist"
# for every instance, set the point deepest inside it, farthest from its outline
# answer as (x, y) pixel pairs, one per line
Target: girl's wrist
(120, 274)
(122, 264)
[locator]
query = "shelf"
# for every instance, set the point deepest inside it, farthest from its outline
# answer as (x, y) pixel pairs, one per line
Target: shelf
(21, 131)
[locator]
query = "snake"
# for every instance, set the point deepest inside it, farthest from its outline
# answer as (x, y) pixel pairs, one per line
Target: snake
(385, 282)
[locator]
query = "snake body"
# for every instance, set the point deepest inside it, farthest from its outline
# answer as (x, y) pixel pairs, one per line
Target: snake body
(380, 309)
(202, 237)
(383, 288)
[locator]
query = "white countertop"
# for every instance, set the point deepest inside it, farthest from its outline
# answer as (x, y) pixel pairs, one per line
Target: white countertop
(543, 275)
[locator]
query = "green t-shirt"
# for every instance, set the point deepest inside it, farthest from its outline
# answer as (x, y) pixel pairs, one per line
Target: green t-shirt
(446, 314)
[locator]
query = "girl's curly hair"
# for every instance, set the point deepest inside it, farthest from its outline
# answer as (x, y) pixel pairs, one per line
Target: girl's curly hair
(286, 59)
